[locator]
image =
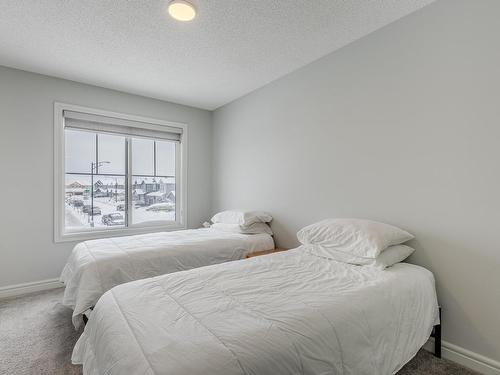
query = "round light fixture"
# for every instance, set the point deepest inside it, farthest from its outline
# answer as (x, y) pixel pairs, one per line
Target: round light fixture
(181, 10)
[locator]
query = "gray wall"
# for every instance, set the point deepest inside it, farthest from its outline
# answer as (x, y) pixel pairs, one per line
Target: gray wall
(27, 250)
(402, 126)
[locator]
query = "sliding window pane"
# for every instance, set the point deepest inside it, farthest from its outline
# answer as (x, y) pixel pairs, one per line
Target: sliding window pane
(79, 150)
(142, 157)
(153, 199)
(111, 154)
(165, 158)
(105, 210)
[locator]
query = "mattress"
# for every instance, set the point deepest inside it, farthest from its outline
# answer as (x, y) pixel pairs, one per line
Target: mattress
(285, 313)
(96, 266)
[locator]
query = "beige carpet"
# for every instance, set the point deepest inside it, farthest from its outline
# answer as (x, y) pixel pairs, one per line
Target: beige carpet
(36, 337)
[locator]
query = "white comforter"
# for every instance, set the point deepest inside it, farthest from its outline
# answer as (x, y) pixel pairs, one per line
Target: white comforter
(286, 313)
(96, 266)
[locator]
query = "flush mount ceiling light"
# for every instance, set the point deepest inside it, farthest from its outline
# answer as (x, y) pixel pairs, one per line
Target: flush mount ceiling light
(181, 10)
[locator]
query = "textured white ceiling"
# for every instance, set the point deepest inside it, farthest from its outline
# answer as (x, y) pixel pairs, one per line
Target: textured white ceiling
(230, 49)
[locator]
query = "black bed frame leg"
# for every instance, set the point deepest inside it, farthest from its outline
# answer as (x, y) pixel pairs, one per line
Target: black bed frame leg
(85, 317)
(437, 337)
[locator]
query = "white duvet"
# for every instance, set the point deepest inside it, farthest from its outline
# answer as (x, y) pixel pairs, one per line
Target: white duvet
(96, 266)
(285, 313)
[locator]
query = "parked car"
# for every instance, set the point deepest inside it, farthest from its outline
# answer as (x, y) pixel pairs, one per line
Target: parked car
(97, 210)
(88, 208)
(114, 218)
(120, 207)
(77, 203)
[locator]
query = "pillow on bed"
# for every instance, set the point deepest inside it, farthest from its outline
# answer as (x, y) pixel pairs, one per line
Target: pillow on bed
(389, 257)
(241, 217)
(393, 255)
(254, 228)
(354, 237)
(339, 256)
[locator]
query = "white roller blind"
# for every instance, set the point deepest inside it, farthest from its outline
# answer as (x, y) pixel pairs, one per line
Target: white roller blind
(113, 125)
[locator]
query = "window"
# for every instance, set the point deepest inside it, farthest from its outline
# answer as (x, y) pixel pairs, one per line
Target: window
(116, 174)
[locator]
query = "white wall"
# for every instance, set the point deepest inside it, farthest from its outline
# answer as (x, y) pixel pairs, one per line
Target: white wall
(28, 252)
(402, 126)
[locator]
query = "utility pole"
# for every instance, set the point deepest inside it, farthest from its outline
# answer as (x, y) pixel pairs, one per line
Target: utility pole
(93, 166)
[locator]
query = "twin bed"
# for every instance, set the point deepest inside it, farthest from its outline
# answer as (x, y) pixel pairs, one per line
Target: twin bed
(294, 312)
(96, 266)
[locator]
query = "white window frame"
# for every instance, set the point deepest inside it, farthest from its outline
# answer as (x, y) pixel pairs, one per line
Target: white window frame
(60, 235)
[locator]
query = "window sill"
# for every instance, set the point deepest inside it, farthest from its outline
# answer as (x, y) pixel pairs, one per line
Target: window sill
(96, 234)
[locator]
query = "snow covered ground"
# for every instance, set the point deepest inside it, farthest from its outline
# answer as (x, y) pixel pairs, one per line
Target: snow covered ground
(75, 218)
(141, 215)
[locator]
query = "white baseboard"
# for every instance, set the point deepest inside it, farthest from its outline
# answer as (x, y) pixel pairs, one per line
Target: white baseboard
(36, 286)
(466, 358)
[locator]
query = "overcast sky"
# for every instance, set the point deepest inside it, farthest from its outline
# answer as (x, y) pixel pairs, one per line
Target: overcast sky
(81, 152)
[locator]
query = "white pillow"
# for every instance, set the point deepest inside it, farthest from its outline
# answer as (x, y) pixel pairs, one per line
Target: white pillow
(241, 217)
(354, 237)
(339, 256)
(389, 257)
(393, 255)
(254, 228)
